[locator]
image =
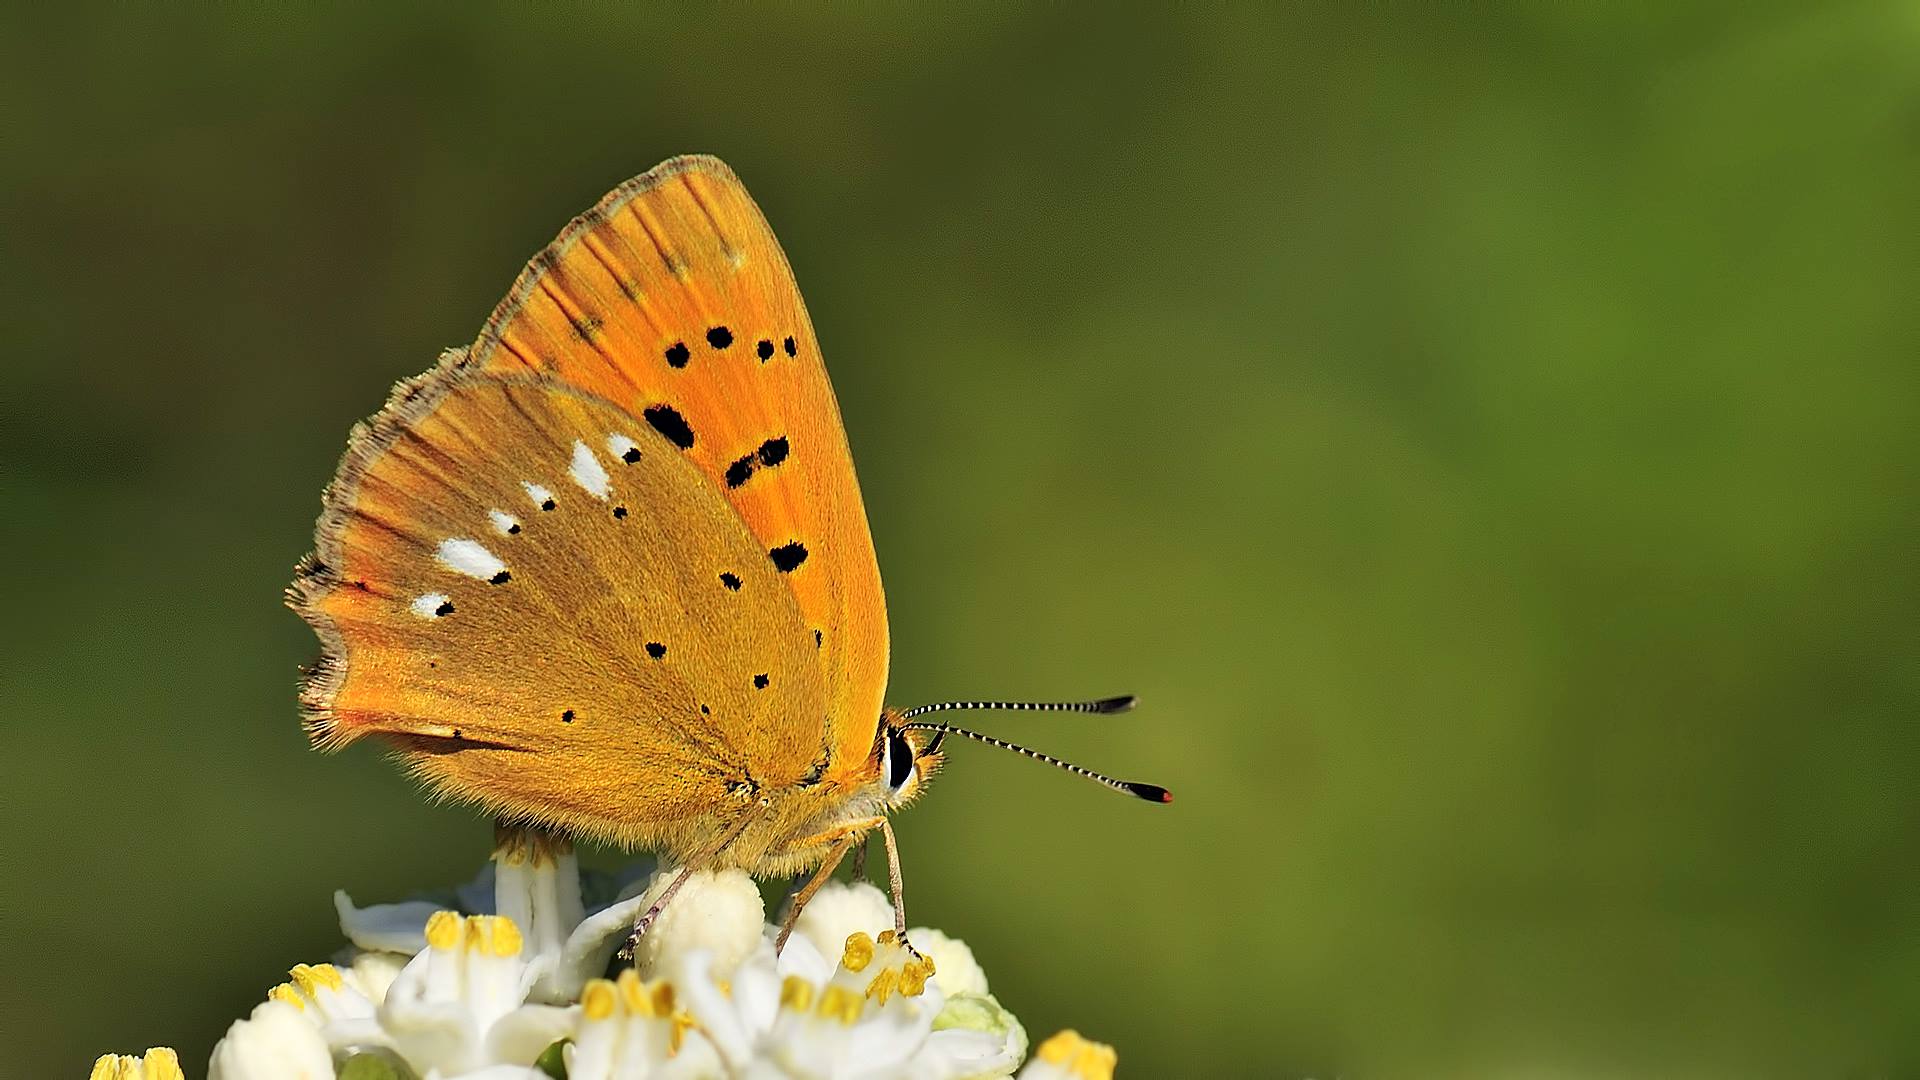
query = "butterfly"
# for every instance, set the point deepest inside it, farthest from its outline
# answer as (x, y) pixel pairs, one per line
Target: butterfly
(607, 572)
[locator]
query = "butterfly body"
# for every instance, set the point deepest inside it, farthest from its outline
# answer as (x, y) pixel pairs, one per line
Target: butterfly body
(607, 570)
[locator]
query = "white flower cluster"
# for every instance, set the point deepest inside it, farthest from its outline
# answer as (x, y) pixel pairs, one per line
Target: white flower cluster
(511, 990)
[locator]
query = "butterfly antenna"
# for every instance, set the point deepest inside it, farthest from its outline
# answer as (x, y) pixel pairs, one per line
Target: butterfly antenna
(1104, 705)
(1149, 792)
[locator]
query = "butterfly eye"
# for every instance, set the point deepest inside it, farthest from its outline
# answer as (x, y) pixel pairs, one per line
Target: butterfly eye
(899, 763)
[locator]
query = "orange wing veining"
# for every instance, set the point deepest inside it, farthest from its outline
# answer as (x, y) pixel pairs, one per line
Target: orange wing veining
(672, 297)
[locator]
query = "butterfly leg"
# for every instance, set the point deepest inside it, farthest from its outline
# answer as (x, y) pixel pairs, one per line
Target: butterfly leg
(842, 837)
(641, 924)
(893, 879)
(653, 911)
(860, 859)
(820, 876)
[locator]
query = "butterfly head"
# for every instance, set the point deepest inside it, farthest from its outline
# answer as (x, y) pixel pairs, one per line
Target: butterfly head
(907, 759)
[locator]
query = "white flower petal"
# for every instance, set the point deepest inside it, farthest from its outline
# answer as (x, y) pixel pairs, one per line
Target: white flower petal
(971, 1055)
(359, 1033)
(586, 951)
(839, 910)
(802, 958)
(713, 1010)
(980, 1014)
(384, 927)
(540, 892)
(696, 1060)
(888, 1036)
(525, 1033)
(503, 1072)
(442, 1005)
(756, 985)
(275, 1043)
(953, 962)
(373, 972)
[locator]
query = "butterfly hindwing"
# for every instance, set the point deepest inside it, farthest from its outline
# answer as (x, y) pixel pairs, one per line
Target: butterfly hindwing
(672, 299)
(537, 596)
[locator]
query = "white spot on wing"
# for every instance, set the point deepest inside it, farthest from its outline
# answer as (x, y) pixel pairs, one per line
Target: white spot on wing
(538, 494)
(587, 471)
(618, 445)
(503, 521)
(470, 558)
(428, 606)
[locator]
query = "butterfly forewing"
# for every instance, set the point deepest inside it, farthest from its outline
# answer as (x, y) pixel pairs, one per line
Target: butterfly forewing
(672, 299)
(538, 597)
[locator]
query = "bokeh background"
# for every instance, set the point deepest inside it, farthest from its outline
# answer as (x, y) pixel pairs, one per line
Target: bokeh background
(1487, 441)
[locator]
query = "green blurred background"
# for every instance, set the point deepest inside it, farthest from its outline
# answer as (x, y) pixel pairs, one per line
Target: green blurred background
(1486, 441)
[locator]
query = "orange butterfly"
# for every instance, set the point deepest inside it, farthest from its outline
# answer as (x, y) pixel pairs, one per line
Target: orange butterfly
(607, 570)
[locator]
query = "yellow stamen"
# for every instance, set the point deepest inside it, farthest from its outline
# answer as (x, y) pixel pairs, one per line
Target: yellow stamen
(163, 1064)
(842, 1004)
(663, 999)
(887, 937)
(160, 1063)
(858, 953)
(913, 977)
(598, 999)
(796, 993)
(633, 994)
(682, 1023)
(311, 978)
(883, 984)
(285, 992)
(726, 987)
(496, 934)
(1082, 1058)
(443, 930)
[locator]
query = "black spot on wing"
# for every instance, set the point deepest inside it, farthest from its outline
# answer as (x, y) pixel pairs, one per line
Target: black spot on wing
(445, 609)
(759, 682)
(788, 557)
(740, 471)
(619, 511)
(720, 337)
(632, 455)
(764, 350)
(566, 717)
(656, 650)
(678, 355)
(816, 639)
(500, 578)
(789, 347)
(771, 453)
(731, 581)
(667, 421)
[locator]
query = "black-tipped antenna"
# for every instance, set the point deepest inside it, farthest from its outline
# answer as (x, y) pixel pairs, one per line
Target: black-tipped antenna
(1104, 705)
(1149, 792)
